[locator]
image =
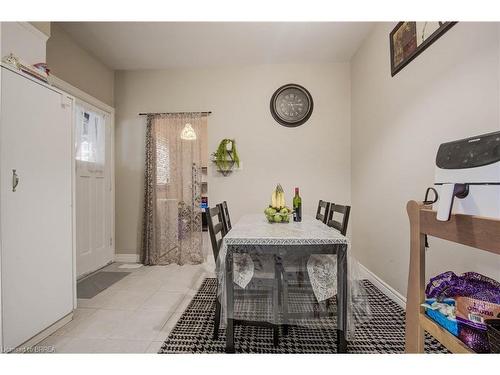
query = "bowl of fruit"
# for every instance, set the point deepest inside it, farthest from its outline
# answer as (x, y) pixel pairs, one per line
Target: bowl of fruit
(278, 212)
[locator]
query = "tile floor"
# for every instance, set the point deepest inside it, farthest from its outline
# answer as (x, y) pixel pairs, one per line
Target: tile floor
(136, 314)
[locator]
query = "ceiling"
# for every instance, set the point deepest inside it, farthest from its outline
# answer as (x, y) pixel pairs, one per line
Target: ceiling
(159, 45)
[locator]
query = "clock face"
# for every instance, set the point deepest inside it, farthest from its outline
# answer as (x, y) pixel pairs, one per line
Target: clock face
(291, 105)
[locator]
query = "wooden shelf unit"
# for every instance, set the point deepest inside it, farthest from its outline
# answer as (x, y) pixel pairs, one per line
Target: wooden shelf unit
(475, 231)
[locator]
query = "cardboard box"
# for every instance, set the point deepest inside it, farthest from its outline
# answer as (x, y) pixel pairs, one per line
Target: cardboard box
(473, 312)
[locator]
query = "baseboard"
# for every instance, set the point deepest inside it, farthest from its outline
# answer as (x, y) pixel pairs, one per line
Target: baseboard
(127, 258)
(385, 288)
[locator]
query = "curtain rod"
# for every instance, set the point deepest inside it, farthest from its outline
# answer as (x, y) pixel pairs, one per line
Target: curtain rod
(174, 113)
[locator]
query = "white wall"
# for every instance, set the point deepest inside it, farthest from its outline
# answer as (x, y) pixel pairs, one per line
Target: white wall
(315, 156)
(44, 27)
(448, 92)
(73, 64)
(24, 40)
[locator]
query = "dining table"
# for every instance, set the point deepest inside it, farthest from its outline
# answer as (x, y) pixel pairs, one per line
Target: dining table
(253, 236)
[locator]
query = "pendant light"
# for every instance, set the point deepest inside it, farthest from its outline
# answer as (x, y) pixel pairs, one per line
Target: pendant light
(188, 133)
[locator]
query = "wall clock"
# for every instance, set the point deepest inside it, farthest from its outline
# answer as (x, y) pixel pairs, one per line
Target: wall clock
(291, 105)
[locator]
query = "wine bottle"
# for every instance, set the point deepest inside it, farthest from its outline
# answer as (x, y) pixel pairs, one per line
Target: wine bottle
(297, 206)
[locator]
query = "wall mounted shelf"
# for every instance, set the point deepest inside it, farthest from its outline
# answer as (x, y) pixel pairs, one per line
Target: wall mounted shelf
(229, 169)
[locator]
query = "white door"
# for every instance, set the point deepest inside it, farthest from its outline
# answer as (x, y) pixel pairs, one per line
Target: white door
(94, 247)
(36, 218)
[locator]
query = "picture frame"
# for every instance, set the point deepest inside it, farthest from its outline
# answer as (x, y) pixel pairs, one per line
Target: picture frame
(409, 39)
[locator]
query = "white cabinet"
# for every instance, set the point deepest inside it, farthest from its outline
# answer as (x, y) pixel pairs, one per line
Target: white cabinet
(37, 273)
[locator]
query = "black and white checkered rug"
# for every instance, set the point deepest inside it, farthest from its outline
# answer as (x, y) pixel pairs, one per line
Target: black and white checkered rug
(383, 333)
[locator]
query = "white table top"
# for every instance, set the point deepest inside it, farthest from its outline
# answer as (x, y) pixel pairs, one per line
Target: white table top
(254, 229)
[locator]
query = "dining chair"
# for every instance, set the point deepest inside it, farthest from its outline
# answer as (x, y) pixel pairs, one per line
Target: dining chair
(217, 233)
(269, 280)
(226, 219)
(298, 273)
(322, 205)
(341, 225)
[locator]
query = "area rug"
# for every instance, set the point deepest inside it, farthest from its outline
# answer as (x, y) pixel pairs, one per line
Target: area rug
(94, 284)
(384, 333)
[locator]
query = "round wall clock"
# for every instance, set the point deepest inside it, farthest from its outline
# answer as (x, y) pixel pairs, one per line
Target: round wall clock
(291, 105)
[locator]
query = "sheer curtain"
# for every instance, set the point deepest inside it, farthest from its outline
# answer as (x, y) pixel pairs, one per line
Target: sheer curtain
(172, 213)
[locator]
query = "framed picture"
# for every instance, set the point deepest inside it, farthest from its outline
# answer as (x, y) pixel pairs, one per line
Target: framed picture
(410, 39)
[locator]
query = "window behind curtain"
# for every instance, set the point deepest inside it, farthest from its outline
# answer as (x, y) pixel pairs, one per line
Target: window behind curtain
(162, 161)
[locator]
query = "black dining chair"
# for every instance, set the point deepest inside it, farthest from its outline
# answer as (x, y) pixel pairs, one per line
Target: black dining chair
(322, 211)
(298, 273)
(226, 219)
(341, 225)
(217, 233)
(269, 280)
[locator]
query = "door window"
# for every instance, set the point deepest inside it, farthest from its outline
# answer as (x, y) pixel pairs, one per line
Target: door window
(90, 140)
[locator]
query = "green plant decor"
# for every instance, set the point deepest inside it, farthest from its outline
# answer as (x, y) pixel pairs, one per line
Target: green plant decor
(225, 159)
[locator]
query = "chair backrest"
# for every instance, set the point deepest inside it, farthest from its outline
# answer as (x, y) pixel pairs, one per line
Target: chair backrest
(323, 214)
(215, 228)
(341, 226)
(226, 219)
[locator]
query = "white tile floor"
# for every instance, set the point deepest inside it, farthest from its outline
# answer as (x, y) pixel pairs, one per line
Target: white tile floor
(136, 314)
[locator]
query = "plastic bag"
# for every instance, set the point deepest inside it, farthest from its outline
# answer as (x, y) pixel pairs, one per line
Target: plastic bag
(470, 284)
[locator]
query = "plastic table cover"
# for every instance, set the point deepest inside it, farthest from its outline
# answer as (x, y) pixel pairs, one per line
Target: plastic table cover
(286, 273)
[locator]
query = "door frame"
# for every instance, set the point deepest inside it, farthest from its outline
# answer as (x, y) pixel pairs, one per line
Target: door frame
(85, 99)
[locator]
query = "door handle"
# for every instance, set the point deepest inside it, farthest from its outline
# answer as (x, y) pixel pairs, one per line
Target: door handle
(15, 180)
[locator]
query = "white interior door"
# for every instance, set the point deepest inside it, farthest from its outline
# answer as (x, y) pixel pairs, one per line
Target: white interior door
(37, 229)
(94, 240)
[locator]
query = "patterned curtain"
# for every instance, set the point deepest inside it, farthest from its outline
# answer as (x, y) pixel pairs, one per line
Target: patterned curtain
(172, 213)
